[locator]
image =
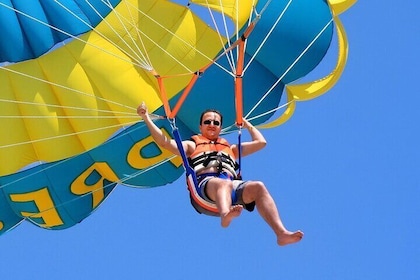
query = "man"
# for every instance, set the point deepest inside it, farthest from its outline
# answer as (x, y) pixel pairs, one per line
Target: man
(216, 181)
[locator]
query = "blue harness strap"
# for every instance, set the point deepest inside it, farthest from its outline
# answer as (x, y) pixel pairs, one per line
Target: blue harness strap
(188, 170)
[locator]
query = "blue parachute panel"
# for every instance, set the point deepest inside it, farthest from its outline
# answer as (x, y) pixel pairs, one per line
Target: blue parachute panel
(34, 27)
(286, 46)
(8, 218)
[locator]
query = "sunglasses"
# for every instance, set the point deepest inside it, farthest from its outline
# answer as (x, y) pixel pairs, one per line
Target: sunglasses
(207, 122)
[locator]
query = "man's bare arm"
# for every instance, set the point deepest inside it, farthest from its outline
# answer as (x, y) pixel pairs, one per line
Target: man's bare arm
(158, 135)
(257, 143)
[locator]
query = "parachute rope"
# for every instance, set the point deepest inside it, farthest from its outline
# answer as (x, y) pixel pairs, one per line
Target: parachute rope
(76, 91)
(268, 33)
(145, 55)
(269, 112)
(133, 175)
(71, 35)
(229, 55)
(140, 59)
(130, 115)
(290, 67)
(179, 38)
(80, 132)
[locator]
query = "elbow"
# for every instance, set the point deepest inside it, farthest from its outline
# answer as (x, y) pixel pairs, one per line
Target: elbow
(263, 143)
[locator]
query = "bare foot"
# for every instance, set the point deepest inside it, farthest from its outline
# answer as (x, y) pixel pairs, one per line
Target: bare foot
(289, 237)
(235, 211)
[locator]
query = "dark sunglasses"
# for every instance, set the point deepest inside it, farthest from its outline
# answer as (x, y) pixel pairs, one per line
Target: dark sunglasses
(207, 122)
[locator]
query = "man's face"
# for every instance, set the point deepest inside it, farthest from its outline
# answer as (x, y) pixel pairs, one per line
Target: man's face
(210, 126)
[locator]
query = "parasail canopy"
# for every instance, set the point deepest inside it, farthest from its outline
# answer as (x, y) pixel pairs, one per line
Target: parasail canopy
(72, 73)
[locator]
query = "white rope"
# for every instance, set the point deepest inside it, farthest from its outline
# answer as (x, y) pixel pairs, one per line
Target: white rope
(291, 66)
(119, 18)
(101, 34)
(51, 166)
(177, 37)
(228, 128)
(69, 107)
(109, 141)
(67, 34)
(144, 53)
(76, 91)
(228, 54)
(67, 135)
(268, 33)
(272, 110)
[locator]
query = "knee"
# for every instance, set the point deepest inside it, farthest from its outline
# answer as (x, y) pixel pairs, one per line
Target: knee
(259, 186)
(255, 189)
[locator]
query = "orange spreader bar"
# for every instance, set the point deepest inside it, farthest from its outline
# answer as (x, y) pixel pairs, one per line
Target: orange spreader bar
(172, 113)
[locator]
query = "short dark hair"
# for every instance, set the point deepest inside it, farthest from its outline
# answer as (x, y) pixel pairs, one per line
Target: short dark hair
(211, 111)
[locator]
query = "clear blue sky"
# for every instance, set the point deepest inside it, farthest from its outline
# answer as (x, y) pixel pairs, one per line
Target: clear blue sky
(345, 170)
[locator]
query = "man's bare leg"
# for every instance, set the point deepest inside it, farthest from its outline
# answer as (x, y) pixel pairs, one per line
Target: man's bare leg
(220, 191)
(256, 191)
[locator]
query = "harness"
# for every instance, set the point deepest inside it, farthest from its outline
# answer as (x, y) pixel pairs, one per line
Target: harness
(201, 205)
(212, 154)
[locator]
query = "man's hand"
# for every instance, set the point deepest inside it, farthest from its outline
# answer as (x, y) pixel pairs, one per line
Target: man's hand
(142, 110)
(247, 124)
